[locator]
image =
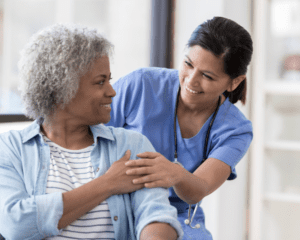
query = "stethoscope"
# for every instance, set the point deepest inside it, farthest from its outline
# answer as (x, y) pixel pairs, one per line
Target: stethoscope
(189, 220)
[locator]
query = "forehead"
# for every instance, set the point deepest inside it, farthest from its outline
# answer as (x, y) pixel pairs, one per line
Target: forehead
(100, 68)
(100, 65)
(205, 60)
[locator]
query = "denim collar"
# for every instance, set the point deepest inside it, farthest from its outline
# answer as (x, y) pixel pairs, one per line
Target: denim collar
(98, 130)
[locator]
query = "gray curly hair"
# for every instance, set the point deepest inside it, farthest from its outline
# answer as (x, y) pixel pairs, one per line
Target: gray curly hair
(52, 64)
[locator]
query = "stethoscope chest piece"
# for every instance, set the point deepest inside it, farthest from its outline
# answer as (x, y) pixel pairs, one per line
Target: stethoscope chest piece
(188, 221)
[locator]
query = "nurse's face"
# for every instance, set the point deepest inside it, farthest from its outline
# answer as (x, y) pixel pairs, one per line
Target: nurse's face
(202, 77)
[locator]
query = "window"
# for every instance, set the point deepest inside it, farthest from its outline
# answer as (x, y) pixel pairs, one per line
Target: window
(125, 23)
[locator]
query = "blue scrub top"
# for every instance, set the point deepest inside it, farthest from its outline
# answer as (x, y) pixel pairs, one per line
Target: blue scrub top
(145, 102)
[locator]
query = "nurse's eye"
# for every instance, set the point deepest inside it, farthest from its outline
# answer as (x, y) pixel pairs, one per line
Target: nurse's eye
(188, 64)
(208, 77)
(101, 82)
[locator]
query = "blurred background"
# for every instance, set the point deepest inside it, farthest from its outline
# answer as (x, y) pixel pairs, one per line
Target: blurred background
(264, 201)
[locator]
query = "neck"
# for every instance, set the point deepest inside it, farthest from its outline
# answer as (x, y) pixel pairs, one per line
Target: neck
(199, 109)
(67, 133)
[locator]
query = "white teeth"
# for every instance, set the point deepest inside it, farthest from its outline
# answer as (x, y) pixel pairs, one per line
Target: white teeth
(190, 90)
(106, 106)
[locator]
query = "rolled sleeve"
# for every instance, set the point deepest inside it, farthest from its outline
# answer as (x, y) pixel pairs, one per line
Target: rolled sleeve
(147, 205)
(49, 212)
(23, 215)
(152, 205)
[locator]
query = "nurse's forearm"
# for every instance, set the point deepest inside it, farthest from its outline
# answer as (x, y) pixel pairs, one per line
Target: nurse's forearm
(158, 231)
(191, 188)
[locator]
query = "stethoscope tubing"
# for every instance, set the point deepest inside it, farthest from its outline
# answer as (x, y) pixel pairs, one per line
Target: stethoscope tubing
(190, 219)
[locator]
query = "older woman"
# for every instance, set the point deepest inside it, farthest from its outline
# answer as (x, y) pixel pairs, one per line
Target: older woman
(60, 178)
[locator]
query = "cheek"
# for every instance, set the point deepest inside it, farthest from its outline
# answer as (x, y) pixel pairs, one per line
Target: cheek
(182, 75)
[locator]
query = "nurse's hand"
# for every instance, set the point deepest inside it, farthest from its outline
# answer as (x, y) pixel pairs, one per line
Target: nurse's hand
(157, 171)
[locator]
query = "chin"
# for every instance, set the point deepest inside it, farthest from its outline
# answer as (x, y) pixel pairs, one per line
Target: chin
(105, 121)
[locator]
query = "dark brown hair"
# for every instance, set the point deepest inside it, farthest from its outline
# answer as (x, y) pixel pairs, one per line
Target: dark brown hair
(227, 39)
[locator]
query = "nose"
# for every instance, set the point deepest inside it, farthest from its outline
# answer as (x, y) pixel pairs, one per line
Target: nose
(194, 79)
(110, 92)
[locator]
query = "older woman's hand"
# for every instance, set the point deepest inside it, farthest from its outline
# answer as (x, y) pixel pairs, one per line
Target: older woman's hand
(121, 182)
(157, 171)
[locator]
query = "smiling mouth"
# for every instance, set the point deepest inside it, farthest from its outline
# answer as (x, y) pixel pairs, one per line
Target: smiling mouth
(192, 91)
(105, 105)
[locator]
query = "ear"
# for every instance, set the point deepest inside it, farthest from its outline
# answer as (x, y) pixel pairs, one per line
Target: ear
(235, 83)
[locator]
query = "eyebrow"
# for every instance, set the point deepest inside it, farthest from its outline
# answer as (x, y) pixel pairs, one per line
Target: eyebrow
(203, 71)
(103, 76)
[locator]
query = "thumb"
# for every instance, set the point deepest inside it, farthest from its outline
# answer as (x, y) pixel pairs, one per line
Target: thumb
(127, 155)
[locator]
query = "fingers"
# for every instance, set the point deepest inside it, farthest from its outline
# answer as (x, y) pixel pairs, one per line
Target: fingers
(143, 180)
(148, 155)
(139, 171)
(126, 156)
(139, 163)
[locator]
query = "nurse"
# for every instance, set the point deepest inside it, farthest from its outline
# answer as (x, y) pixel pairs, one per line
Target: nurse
(190, 117)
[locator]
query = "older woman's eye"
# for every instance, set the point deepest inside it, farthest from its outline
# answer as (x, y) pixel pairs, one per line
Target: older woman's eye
(101, 82)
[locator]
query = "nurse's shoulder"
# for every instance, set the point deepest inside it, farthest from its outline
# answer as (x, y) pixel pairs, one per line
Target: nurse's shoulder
(233, 118)
(148, 76)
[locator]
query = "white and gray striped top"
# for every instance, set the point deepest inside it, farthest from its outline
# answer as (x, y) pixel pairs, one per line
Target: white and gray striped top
(70, 169)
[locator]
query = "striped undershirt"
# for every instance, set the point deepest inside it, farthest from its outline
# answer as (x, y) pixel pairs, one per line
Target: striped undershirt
(70, 169)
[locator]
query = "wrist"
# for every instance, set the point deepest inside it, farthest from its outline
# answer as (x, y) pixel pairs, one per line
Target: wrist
(179, 172)
(105, 186)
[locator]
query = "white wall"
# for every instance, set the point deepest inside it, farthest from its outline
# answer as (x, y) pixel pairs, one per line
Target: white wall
(5, 127)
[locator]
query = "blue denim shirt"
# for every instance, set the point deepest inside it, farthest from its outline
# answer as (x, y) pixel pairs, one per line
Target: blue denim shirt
(26, 212)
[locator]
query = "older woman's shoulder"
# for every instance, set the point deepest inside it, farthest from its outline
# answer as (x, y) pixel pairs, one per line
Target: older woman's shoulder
(129, 139)
(122, 133)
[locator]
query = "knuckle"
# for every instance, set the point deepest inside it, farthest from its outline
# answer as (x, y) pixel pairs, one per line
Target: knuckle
(146, 170)
(146, 178)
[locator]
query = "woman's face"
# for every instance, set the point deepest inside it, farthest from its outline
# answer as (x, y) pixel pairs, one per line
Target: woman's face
(91, 104)
(202, 77)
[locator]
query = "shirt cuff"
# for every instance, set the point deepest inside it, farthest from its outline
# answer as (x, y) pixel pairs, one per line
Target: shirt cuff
(49, 212)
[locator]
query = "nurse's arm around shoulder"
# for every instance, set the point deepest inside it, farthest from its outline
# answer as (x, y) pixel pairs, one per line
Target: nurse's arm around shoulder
(190, 187)
(154, 217)
(203, 181)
